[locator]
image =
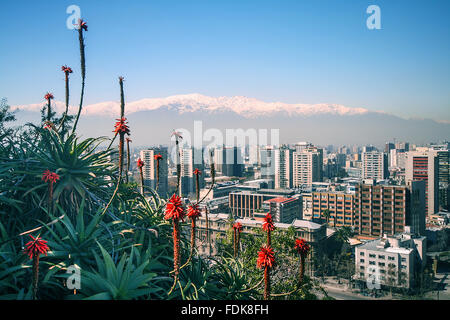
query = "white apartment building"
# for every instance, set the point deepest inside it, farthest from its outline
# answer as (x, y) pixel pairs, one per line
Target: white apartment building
(283, 168)
(374, 165)
(307, 165)
(390, 261)
(149, 169)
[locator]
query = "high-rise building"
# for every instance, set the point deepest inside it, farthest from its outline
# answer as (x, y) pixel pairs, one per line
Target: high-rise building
(423, 164)
(190, 160)
(307, 165)
(149, 169)
(267, 157)
(374, 165)
(284, 168)
(229, 161)
(384, 209)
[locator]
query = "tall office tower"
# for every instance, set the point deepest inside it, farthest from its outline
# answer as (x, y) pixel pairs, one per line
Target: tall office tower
(283, 167)
(381, 209)
(190, 160)
(253, 154)
(232, 162)
(267, 156)
(374, 165)
(218, 158)
(397, 159)
(423, 165)
(388, 147)
(402, 146)
(307, 165)
(341, 159)
(149, 169)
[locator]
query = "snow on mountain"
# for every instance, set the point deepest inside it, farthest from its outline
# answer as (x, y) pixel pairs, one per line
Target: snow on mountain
(244, 106)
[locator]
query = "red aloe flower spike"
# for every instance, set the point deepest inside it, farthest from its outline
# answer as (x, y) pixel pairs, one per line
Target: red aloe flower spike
(140, 165)
(237, 229)
(66, 69)
(175, 211)
(48, 96)
(302, 247)
(266, 257)
(266, 260)
(50, 178)
(193, 214)
(121, 126)
(82, 24)
(197, 172)
(34, 249)
(157, 158)
(268, 226)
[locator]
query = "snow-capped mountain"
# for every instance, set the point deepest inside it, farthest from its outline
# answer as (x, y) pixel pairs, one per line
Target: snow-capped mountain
(243, 106)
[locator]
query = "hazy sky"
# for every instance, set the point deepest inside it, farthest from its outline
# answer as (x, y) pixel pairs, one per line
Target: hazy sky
(291, 51)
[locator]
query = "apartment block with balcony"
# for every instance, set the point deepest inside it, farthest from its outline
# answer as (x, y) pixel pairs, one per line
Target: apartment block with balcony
(384, 209)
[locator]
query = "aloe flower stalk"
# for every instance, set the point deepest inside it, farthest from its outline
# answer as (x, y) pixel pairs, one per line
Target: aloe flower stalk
(157, 158)
(175, 211)
(237, 229)
(193, 214)
(50, 178)
(128, 140)
(34, 248)
(197, 174)
(67, 70)
(303, 248)
(49, 98)
(121, 128)
(268, 226)
(266, 260)
(140, 165)
(178, 137)
(82, 26)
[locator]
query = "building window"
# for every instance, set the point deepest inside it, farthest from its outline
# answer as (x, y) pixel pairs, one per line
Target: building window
(372, 263)
(381, 257)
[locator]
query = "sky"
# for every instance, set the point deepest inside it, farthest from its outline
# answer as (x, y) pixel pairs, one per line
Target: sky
(290, 51)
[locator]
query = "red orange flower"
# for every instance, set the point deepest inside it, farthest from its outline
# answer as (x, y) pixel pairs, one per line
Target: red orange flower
(266, 257)
(48, 96)
(193, 211)
(301, 246)
(49, 176)
(36, 247)
(197, 172)
(121, 126)
(174, 208)
(82, 24)
(268, 223)
(237, 226)
(140, 163)
(157, 156)
(66, 69)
